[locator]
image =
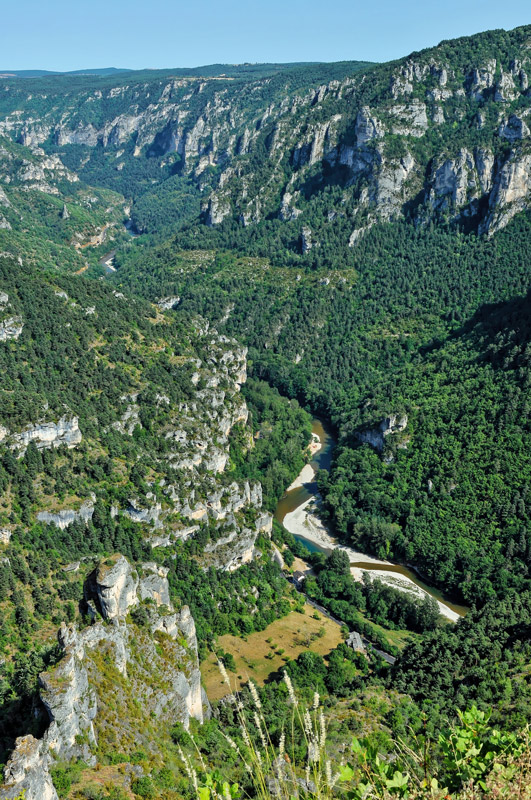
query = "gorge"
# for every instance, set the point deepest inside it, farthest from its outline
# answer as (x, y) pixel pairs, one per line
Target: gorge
(298, 511)
(265, 335)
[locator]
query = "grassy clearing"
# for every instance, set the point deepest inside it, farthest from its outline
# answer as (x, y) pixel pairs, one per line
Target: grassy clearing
(292, 635)
(397, 638)
(100, 778)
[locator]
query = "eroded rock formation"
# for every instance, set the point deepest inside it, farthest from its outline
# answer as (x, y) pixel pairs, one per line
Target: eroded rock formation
(73, 691)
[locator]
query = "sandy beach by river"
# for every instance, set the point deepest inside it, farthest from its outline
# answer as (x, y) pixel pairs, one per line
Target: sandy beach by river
(304, 521)
(307, 473)
(306, 476)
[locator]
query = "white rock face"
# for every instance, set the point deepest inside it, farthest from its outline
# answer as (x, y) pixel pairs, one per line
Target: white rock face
(511, 193)
(66, 516)
(72, 701)
(367, 127)
(287, 210)
(218, 209)
(388, 426)
(484, 160)
(505, 88)
(514, 129)
(459, 182)
(116, 588)
(26, 773)
(11, 328)
(389, 193)
(138, 514)
(87, 135)
(306, 240)
(276, 556)
(217, 129)
(69, 690)
(359, 233)
(50, 434)
(411, 119)
(482, 79)
(451, 183)
(233, 550)
(69, 700)
(154, 585)
(167, 303)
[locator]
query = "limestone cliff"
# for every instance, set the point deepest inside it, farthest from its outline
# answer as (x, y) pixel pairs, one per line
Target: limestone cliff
(44, 434)
(423, 136)
(157, 662)
(390, 426)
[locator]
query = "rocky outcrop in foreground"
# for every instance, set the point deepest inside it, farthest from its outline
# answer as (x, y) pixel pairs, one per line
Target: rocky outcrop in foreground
(156, 661)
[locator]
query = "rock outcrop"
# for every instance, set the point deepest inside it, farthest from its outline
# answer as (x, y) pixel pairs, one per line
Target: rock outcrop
(389, 426)
(306, 240)
(170, 683)
(27, 772)
(511, 192)
(11, 328)
(66, 516)
(116, 587)
(46, 434)
(12, 325)
(168, 303)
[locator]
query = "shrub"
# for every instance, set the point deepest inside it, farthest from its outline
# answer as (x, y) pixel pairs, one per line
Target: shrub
(64, 776)
(144, 787)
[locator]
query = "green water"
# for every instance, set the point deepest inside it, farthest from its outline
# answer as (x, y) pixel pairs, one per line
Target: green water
(296, 497)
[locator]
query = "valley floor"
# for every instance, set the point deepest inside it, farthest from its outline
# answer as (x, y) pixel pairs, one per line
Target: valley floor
(285, 638)
(304, 522)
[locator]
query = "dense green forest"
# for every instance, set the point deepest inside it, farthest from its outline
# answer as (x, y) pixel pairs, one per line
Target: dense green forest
(430, 323)
(267, 244)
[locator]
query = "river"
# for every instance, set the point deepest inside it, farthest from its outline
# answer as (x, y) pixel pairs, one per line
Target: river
(294, 511)
(107, 261)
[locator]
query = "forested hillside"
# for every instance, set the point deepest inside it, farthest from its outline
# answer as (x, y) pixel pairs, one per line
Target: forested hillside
(191, 263)
(124, 430)
(428, 323)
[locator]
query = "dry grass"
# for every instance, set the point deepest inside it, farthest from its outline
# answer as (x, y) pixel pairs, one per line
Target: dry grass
(293, 634)
(103, 778)
(301, 566)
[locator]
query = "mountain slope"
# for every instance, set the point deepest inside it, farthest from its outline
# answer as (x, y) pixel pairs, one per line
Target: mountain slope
(120, 421)
(440, 133)
(48, 217)
(359, 236)
(122, 383)
(413, 329)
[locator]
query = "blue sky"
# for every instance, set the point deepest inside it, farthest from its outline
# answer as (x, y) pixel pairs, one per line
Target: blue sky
(72, 34)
